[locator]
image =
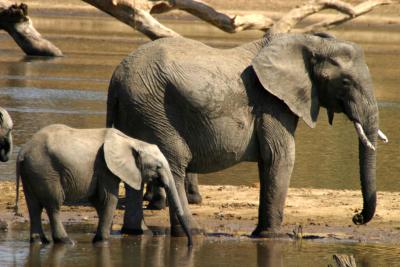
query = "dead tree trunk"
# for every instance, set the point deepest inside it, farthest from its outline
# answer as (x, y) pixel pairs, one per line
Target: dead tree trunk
(138, 15)
(14, 20)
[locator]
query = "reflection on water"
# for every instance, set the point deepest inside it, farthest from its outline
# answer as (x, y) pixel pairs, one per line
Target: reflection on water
(72, 90)
(15, 250)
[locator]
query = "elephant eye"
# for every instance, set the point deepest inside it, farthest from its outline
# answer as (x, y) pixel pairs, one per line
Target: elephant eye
(346, 82)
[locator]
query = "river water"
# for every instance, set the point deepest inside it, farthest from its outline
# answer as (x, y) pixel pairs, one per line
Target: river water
(211, 251)
(72, 90)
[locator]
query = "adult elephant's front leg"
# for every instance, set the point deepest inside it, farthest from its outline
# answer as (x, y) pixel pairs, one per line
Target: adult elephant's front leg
(176, 228)
(277, 153)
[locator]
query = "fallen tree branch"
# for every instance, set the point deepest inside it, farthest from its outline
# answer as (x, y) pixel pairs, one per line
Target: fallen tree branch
(360, 9)
(138, 15)
(294, 16)
(131, 14)
(14, 19)
(227, 23)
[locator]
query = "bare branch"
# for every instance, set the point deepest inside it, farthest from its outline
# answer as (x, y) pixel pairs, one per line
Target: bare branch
(130, 13)
(294, 16)
(360, 9)
(14, 19)
(227, 23)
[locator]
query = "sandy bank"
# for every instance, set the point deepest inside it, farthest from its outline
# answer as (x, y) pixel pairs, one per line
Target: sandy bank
(232, 210)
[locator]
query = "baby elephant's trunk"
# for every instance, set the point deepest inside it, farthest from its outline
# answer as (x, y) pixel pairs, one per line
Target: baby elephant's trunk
(175, 204)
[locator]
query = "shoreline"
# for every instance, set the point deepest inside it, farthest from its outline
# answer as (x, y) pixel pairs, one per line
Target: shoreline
(233, 211)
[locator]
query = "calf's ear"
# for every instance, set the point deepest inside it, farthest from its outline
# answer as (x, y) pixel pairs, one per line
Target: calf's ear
(119, 154)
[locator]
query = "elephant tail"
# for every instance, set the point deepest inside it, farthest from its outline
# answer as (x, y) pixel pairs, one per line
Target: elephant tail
(19, 161)
(112, 105)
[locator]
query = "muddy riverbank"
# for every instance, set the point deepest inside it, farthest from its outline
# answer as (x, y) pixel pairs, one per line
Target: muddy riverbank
(232, 211)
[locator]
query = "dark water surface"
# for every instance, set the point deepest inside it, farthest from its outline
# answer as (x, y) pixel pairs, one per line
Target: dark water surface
(211, 251)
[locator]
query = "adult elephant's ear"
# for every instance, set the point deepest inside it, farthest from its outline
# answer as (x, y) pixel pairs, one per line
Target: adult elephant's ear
(120, 157)
(283, 68)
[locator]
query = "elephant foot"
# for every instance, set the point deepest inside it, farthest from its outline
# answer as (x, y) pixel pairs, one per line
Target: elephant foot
(63, 240)
(194, 198)
(178, 231)
(157, 204)
(39, 239)
(130, 231)
(100, 240)
(273, 234)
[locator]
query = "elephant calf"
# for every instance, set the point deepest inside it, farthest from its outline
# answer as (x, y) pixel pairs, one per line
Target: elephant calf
(66, 165)
(6, 126)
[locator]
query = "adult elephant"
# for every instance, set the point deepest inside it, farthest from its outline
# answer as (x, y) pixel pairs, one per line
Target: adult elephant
(6, 125)
(208, 109)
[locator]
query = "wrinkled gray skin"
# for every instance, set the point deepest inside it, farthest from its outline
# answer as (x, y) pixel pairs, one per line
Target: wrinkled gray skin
(157, 198)
(66, 165)
(6, 126)
(208, 109)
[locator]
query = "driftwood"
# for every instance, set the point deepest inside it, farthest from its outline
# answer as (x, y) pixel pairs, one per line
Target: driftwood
(343, 260)
(138, 15)
(358, 10)
(135, 15)
(14, 19)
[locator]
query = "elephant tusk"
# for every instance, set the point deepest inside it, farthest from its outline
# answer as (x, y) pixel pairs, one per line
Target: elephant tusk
(382, 136)
(362, 136)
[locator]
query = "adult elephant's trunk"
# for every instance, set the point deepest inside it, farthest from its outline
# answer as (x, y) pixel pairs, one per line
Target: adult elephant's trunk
(175, 203)
(367, 161)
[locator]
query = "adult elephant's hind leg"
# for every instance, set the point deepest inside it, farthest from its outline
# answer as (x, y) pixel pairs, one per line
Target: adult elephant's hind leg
(192, 188)
(277, 153)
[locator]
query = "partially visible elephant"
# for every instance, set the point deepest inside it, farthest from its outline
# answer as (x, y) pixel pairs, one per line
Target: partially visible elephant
(208, 109)
(6, 126)
(66, 165)
(157, 198)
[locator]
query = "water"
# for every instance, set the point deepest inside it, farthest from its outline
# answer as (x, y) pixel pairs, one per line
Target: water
(72, 90)
(211, 251)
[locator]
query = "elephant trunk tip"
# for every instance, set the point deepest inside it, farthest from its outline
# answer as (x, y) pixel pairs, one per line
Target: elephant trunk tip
(358, 219)
(362, 218)
(184, 222)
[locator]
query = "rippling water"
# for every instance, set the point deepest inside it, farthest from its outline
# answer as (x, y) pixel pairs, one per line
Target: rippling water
(72, 90)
